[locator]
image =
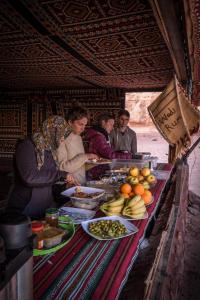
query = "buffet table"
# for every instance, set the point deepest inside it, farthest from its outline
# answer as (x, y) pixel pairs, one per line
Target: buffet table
(87, 268)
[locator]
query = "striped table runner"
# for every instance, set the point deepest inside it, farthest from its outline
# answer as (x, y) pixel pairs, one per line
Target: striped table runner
(90, 269)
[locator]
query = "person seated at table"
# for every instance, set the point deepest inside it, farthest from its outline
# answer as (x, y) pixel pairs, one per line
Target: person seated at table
(123, 138)
(36, 169)
(98, 139)
(71, 154)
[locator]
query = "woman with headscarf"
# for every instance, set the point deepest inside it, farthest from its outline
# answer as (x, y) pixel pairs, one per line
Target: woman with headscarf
(36, 169)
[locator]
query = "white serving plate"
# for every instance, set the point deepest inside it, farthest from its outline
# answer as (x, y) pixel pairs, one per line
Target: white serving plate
(85, 189)
(78, 215)
(131, 229)
(99, 162)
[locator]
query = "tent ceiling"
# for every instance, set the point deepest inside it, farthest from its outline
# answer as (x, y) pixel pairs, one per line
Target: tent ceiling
(52, 44)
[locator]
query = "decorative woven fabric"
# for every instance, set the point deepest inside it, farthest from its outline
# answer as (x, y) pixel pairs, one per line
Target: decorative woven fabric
(87, 268)
(175, 117)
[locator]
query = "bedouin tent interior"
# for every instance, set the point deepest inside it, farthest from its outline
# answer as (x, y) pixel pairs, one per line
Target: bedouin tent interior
(55, 52)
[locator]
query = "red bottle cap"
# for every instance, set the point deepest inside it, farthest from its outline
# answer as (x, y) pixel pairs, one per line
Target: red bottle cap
(37, 226)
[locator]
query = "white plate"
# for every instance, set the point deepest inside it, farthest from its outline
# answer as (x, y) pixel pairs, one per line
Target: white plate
(99, 162)
(84, 189)
(78, 215)
(131, 229)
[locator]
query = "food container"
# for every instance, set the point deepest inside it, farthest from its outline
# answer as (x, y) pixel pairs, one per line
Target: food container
(123, 165)
(51, 216)
(141, 155)
(153, 162)
(37, 228)
(85, 203)
(52, 237)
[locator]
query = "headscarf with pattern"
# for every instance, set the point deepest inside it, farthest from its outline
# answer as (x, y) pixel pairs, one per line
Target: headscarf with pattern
(48, 137)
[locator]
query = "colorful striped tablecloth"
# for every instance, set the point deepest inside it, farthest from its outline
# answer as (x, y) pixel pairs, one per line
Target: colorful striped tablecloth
(90, 269)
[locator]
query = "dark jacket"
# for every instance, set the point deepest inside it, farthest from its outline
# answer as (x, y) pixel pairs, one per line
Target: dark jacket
(32, 192)
(99, 143)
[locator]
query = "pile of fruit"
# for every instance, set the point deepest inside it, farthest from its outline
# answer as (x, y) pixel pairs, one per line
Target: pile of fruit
(134, 195)
(142, 176)
(138, 182)
(134, 207)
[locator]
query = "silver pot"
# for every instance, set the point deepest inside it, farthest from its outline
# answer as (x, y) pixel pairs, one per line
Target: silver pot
(15, 229)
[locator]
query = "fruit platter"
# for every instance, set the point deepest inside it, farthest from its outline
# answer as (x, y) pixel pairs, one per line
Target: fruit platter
(133, 197)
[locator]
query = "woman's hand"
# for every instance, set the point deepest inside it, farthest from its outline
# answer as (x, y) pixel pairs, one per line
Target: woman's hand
(91, 156)
(71, 180)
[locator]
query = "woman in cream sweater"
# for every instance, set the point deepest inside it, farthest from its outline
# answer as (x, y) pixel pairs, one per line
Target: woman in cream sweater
(71, 154)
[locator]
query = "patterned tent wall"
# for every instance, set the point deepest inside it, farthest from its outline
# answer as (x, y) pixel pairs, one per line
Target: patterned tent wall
(22, 113)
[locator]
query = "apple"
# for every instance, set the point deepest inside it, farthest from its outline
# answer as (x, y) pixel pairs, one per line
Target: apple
(133, 180)
(145, 171)
(134, 171)
(128, 178)
(146, 185)
(151, 178)
(140, 177)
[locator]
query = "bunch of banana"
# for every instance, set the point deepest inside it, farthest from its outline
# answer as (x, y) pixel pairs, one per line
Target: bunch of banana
(135, 208)
(113, 207)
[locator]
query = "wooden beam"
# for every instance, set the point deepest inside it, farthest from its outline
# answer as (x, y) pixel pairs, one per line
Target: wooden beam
(169, 23)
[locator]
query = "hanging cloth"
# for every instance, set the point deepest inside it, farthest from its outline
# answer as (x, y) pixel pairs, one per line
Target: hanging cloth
(175, 117)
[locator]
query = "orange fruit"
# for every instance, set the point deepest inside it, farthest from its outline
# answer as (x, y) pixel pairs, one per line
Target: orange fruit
(125, 188)
(147, 196)
(138, 189)
(125, 195)
(131, 194)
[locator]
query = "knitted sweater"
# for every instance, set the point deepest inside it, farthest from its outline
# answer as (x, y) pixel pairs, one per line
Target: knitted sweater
(71, 157)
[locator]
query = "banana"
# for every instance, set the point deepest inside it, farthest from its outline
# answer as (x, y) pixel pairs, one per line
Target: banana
(115, 202)
(138, 216)
(126, 210)
(134, 210)
(112, 214)
(133, 201)
(139, 210)
(135, 216)
(138, 204)
(115, 209)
